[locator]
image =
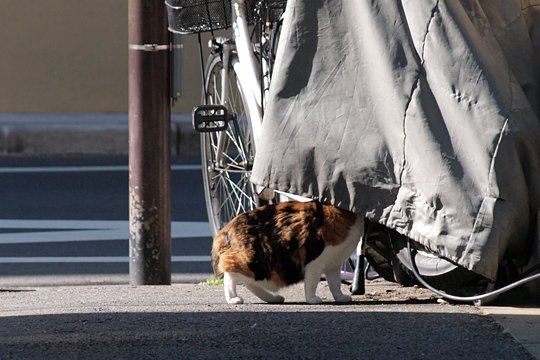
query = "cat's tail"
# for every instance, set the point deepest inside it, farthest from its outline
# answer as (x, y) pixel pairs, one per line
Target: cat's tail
(218, 245)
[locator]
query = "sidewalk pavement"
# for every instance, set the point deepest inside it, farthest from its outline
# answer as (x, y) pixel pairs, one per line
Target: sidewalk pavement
(90, 134)
(191, 320)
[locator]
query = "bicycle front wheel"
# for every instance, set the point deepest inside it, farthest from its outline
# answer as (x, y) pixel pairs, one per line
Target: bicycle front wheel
(227, 156)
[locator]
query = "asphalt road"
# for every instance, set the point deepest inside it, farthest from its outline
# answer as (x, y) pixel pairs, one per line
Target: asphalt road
(69, 215)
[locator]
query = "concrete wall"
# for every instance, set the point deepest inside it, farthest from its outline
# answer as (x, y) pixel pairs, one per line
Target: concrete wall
(70, 56)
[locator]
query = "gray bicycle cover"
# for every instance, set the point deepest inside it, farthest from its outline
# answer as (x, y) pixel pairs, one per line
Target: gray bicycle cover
(422, 115)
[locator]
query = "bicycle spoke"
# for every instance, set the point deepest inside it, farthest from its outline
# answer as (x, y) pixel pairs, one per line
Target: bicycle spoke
(240, 195)
(239, 190)
(231, 194)
(233, 189)
(238, 147)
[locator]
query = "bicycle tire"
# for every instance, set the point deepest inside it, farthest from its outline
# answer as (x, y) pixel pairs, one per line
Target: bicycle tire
(227, 187)
(387, 250)
(435, 270)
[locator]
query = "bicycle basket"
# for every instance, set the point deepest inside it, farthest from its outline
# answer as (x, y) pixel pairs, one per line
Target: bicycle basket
(275, 9)
(195, 16)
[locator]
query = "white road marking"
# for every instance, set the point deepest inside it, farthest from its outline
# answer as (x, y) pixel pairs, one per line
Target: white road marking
(91, 259)
(101, 168)
(87, 230)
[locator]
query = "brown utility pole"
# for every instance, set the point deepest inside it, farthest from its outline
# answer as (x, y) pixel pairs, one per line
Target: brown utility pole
(149, 143)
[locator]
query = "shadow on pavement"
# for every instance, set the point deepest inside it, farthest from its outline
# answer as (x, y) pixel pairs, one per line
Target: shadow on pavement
(269, 334)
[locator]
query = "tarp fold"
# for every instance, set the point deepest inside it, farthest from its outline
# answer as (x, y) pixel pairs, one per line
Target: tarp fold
(421, 115)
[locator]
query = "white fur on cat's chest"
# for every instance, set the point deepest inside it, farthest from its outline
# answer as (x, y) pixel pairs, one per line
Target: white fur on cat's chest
(333, 256)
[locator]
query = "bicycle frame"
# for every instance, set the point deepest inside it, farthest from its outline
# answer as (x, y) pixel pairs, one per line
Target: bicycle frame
(247, 72)
(249, 75)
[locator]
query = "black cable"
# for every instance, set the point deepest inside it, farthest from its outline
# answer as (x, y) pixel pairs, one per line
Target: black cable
(465, 298)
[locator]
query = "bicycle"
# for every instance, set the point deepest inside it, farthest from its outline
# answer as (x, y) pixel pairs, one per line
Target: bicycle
(236, 80)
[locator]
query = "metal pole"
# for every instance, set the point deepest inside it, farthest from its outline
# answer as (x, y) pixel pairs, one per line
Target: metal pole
(149, 144)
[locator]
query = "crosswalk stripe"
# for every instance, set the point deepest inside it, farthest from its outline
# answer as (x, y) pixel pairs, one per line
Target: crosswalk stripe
(86, 230)
(92, 259)
(101, 168)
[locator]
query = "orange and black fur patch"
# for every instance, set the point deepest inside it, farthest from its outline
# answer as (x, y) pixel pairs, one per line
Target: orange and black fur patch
(276, 242)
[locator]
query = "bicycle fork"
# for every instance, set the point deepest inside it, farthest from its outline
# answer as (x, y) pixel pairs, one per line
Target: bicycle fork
(358, 283)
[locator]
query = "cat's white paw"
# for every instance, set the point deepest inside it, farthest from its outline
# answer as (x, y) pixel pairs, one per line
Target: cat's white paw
(236, 300)
(314, 300)
(343, 298)
(277, 299)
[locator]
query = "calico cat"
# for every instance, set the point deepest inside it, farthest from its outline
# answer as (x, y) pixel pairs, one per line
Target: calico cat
(279, 245)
